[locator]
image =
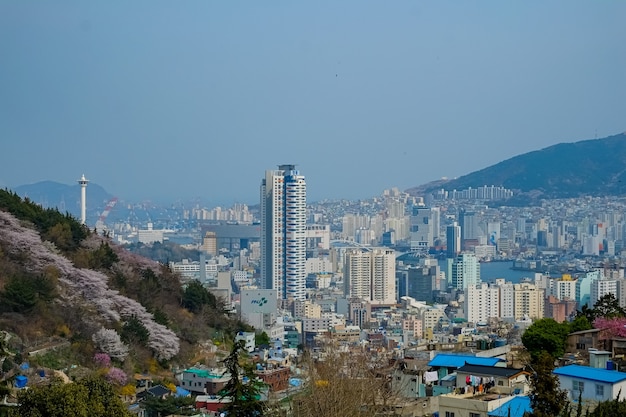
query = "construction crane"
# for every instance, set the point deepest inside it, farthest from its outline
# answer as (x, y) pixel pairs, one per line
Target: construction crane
(100, 226)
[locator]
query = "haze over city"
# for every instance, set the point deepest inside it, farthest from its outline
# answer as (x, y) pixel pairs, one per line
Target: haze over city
(166, 101)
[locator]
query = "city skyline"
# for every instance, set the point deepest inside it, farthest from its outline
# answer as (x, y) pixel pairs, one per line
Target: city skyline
(156, 101)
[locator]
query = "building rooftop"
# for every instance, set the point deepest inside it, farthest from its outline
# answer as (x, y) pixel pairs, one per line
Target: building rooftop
(592, 374)
(514, 408)
(489, 370)
(203, 373)
(457, 361)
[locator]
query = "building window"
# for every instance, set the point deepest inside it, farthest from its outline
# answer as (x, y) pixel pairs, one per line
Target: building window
(474, 415)
(599, 390)
(578, 386)
(449, 414)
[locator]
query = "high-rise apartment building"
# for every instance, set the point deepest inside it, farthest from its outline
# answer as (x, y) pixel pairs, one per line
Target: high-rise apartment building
(283, 232)
(603, 286)
(564, 288)
(469, 226)
(453, 240)
(529, 301)
(482, 302)
(507, 298)
(465, 271)
(371, 275)
(424, 228)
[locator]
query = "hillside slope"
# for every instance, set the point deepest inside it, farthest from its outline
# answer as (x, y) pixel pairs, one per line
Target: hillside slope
(58, 280)
(589, 167)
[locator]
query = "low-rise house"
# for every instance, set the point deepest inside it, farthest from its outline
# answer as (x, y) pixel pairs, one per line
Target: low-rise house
(277, 378)
(445, 363)
(203, 381)
(592, 384)
(495, 379)
(408, 377)
(157, 391)
(583, 340)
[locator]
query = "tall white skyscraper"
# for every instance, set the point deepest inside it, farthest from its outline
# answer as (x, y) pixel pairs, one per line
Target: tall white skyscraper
(283, 232)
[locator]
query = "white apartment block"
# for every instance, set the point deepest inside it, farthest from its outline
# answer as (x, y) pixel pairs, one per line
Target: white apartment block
(601, 287)
(318, 236)
(371, 275)
(485, 251)
(191, 269)
(482, 302)
(319, 266)
(507, 298)
(383, 276)
(318, 325)
(564, 288)
(358, 274)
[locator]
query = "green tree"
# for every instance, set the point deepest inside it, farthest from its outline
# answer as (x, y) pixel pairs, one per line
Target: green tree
(586, 312)
(261, 339)
(612, 408)
(103, 258)
(546, 398)
(133, 331)
(580, 322)
(103, 401)
(195, 297)
(90, 397)
(61, 235)
(243, 388)
(546, 335)
(157, 407)
(19, 294)
(608, 307)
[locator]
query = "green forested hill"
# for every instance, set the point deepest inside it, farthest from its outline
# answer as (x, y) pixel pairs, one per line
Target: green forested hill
(589, 167)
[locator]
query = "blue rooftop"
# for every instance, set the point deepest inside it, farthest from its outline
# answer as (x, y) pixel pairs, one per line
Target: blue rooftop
(517, 406)
(592, 374)
(456, 361)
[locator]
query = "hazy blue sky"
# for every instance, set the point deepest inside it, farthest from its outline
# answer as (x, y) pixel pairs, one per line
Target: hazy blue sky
(182, 99)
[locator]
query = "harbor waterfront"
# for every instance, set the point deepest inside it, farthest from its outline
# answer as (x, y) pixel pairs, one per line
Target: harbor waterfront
(489, 271)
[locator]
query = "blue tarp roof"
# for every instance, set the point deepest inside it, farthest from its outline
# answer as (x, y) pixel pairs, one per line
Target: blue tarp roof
(456, 361)
(518, 406)
(589, 373)
(182, 392)
(20, 381)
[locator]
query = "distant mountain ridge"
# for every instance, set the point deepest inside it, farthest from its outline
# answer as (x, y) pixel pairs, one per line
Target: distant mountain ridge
(63, 196)
(594, 167)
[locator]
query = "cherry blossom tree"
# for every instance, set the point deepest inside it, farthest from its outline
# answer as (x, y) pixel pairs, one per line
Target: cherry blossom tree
(109, 342)
(88, 286)
(116, 376)
(102, 360)
(610, 327)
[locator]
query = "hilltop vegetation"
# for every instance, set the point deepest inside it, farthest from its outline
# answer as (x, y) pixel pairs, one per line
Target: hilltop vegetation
(589, 167)
(61, 283)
